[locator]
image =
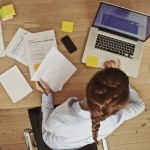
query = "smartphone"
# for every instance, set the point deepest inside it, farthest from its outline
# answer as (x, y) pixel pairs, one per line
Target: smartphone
(68, 44)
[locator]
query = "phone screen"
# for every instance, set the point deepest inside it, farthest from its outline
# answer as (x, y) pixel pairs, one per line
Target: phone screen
(70, 46)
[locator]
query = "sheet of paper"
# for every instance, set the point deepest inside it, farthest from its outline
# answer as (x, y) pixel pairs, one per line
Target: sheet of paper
(15, 84)
(2, 52)
(67, 26)
(16, 47)
(37, 47)
(55, 70)
(92, 61)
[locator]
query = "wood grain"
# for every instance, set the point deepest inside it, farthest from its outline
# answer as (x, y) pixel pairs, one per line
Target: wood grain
(38, 15)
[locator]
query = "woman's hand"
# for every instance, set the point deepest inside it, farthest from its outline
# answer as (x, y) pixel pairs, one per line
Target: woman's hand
(44, 85)
(113, 64)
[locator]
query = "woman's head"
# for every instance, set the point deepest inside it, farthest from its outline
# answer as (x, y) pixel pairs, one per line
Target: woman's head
(107, 93)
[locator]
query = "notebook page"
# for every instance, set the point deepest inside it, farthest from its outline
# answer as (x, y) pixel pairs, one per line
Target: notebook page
(55, 70)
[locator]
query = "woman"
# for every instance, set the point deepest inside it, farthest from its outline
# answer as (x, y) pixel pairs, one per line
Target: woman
(109, 102)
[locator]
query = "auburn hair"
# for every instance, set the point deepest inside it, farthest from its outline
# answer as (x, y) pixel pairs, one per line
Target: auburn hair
(107, 93)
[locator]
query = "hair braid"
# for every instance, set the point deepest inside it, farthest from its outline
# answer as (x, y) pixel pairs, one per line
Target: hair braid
(107, 93)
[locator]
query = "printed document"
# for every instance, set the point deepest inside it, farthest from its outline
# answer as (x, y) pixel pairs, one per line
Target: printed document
(16, 47)
(37, 47)
(15, 84)
(2, 52)
(54, 70)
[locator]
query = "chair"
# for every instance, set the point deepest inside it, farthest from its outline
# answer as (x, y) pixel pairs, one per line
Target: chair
(35, 116)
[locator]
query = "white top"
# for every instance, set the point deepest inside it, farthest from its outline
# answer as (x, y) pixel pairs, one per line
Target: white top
(69, 127)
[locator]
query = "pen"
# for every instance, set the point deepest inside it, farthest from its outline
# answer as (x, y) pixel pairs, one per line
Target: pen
(42, 88)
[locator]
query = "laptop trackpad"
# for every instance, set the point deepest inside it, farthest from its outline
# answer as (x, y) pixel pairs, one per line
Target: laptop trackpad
(110, 57)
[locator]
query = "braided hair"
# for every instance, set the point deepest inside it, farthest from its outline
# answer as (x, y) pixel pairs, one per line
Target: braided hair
(107, 93)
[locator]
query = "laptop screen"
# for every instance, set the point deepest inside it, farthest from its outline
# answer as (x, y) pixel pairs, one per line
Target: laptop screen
(123, 21)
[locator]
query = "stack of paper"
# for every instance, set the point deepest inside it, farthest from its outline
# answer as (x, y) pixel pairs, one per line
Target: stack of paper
(15, 84)
(2, 52)
(37, 46)
(7, 12)
(54, 70)
(31, 48)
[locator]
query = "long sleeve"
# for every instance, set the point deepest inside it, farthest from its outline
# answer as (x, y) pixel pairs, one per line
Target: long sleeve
(47, 108)
(134, 107)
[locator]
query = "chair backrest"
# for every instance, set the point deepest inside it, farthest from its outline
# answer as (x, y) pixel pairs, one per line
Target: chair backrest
(35, 116)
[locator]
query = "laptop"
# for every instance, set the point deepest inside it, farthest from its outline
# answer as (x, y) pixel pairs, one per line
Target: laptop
(118, 33)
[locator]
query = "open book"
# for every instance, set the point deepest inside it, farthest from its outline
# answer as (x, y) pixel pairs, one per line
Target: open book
(54, 70)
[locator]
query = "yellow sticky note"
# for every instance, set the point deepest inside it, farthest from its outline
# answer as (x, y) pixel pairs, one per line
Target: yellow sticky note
(8, 10)
(92, 61)
(67, 26)
(36, 66)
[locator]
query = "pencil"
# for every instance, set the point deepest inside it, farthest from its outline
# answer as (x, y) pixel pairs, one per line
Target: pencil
(42, 88)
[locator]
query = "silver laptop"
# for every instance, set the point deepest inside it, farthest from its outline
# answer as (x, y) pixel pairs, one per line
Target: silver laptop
(118, 33)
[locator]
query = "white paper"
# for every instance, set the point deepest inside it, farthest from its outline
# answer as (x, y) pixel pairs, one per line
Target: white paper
(16, 47)
(55, 70)
(2, 52)
(37, 46)
(15, 84)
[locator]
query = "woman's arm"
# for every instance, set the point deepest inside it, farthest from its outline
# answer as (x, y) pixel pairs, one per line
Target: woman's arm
(47, 105)
(134, 107)
(47, 101)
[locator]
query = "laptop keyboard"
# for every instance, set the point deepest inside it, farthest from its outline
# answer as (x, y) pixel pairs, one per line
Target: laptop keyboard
(120, 23)
(115, 46)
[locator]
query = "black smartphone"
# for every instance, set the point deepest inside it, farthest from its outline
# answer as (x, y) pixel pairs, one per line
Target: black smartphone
(68, 44)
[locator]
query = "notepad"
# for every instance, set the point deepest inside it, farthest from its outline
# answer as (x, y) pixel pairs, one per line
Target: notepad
(54, 70)
(15, 84)
(8, 11)
(4, 18)
(67, 26)
(92, 61)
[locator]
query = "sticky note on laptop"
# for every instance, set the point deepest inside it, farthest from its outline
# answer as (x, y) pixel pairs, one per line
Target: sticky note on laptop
(8, 11)
(15, 84)
(92, 61)
(67, 26)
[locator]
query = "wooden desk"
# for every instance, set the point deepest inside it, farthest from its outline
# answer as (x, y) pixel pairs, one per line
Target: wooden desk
(38, 15)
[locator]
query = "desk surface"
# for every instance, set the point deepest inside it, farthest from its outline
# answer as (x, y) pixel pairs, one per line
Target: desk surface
(38, 15)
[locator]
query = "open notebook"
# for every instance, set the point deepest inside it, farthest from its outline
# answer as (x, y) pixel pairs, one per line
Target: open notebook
(55, 70)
